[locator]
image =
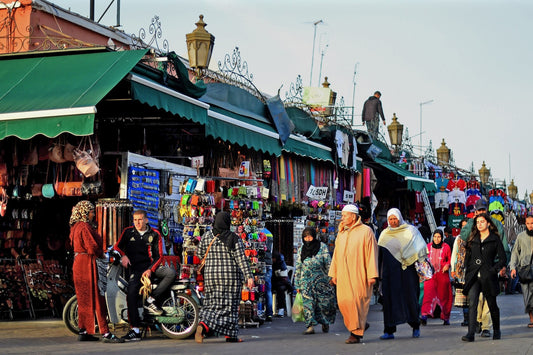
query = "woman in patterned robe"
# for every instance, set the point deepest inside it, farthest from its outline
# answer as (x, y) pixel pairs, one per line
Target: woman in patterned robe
(226, 268)
(312, 280)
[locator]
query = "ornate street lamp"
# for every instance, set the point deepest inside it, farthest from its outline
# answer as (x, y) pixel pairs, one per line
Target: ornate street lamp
(512, 190)
(199, 47)
(484, 174)
(443, 154)
(395, 132)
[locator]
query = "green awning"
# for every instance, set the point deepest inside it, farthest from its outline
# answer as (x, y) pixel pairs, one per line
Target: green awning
(308, 148)
(242, 130)
(156, 95)
(414, 182)
(57, 93)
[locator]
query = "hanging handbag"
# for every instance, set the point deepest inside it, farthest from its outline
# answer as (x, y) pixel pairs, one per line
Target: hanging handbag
(56, 152)
(525, 272)
(202, 263)
(70, 187)
(93, 187)
(86, 159)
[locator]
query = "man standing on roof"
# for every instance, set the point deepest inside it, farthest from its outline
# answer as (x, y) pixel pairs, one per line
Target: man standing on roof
(371, 111)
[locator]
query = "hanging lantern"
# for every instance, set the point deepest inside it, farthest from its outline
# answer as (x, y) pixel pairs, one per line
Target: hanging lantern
(484, 174)
(395, 131)
(443, 154)
(200, 46)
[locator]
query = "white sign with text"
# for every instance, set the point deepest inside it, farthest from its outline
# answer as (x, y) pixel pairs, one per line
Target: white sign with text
(317, 193)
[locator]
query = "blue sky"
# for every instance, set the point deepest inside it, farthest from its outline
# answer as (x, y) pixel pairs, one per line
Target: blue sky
(473, 58)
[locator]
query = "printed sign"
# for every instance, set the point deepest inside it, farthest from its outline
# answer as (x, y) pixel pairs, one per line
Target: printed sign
(197, 162)
(244, 169)
(348, 196)
(317, 193)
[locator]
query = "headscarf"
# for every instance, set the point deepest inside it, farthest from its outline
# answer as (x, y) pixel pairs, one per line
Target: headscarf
(309, 249)
(404, 242)
(221, 229)
(80, 212)
(437, 246)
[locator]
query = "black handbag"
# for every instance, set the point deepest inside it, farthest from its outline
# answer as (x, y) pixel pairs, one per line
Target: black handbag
(525, 273)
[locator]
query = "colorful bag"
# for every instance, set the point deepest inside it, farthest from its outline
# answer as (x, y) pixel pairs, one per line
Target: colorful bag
(424, 269)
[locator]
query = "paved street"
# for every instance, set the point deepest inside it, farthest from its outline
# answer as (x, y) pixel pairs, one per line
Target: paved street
(284, 337)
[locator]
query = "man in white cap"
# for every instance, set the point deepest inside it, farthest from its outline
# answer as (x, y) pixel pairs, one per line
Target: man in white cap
(354, 269)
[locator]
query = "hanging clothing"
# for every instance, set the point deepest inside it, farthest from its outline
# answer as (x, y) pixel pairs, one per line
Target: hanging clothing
(311, 278)
(354, 263)
(224, 273)
(438, 289)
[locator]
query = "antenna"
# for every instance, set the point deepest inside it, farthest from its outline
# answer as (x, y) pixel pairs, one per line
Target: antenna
(353, 91)
(313, 55)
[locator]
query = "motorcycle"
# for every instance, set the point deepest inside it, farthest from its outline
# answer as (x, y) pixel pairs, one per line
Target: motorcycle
(181, 305)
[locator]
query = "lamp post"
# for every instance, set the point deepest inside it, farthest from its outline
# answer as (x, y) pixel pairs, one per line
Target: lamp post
(199, 47)
(443, 154)
(395, 133)
(420, 133)
(512, 190)
(484, 175)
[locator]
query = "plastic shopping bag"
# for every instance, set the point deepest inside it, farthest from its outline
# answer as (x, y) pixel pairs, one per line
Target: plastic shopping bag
(298, 309)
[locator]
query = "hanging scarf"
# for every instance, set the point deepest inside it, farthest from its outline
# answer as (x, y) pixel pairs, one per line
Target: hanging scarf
(404, 242)
(309, 249)
(221, 229)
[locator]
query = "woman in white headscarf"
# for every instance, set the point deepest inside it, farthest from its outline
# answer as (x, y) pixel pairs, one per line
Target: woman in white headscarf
(400, 246)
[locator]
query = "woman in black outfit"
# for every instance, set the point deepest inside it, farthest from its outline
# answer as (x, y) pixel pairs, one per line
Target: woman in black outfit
(485, 258)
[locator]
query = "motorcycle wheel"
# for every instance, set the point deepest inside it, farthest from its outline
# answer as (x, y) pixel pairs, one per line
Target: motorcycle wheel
(70, 315)
(188, 311)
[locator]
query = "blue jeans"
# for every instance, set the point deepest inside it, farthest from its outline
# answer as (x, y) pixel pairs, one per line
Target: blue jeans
(268, 291)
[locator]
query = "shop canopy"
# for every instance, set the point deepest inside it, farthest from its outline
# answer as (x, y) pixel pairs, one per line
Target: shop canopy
(414, 182)
(58, 92)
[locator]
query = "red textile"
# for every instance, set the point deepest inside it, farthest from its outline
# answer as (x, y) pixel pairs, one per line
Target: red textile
(87, 246)
(438, 289)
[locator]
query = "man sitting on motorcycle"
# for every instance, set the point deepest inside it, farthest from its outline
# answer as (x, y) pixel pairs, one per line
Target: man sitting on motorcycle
(141, 249)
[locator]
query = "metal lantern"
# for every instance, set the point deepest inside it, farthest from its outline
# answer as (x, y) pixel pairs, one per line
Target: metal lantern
(395, 131)
(200, 46)
(512, 190)
(484, 174)
(443, 154)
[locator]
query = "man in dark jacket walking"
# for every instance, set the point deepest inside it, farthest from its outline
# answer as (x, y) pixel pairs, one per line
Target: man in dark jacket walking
(371, 111)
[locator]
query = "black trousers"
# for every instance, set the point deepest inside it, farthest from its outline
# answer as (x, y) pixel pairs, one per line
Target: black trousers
(473, 299)
(165, 275)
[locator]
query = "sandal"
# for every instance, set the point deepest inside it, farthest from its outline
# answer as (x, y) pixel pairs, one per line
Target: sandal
(530, 325)
(233, 340)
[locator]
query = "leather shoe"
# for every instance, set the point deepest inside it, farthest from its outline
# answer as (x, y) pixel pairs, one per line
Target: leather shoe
(367, 326)
(353, 339)
(87, 337)
(485, 333)
(325, 328)
(497, 335)
(467, 338)
(309, 330)
(416, 333)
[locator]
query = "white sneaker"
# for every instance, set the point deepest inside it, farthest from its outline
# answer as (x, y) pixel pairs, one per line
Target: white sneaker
(281, 312)
(153, 309)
